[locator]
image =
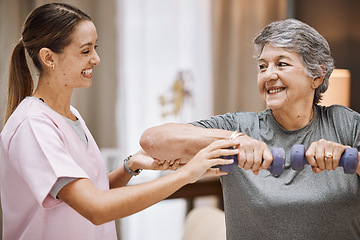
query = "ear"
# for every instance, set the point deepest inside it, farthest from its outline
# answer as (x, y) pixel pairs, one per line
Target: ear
(47, 57)
(318, 81)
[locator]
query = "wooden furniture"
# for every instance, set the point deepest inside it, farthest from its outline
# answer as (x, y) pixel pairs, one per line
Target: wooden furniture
(205, 187)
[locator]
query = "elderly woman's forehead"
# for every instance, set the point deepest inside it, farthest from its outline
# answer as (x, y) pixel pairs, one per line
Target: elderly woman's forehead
(279, 50)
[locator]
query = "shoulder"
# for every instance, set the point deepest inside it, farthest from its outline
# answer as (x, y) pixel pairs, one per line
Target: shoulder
(339, 117)
(31, 112)
(230, 121)
(337, 112)
(340, 120)
(30, 108)
(241, 115)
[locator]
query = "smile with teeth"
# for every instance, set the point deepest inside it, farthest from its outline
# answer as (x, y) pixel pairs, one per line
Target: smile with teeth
(275, 90)
(86, 71)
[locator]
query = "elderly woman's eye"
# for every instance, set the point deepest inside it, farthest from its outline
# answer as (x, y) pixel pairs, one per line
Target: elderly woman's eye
(262, 67)
(283, 64)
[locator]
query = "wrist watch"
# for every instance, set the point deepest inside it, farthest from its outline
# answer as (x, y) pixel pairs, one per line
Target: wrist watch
(128, 170)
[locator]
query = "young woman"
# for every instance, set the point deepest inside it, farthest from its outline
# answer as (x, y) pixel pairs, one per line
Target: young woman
(54, 184)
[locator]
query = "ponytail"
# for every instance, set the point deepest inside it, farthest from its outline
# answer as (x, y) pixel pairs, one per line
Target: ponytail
(20, 82)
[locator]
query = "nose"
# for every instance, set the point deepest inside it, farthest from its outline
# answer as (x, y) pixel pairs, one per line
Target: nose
(95, 60)
(270, 73)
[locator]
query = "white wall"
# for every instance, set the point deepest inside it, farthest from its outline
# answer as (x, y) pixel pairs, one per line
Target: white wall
(156, 40)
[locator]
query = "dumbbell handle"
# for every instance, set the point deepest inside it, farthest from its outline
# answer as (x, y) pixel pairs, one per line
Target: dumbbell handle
(349, 160)
(277, 166)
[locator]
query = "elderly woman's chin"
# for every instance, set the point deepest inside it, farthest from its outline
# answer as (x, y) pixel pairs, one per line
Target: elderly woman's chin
(274, 104)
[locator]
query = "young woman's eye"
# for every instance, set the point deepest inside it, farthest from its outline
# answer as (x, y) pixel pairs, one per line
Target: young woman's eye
(86, 52)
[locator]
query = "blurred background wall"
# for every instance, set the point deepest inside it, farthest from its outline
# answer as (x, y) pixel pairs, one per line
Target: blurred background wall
(178, 61)
(234, 70)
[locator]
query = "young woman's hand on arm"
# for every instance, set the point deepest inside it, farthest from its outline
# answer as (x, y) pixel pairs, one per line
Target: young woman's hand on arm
(179, 141)
(103, 206)
(139, 161)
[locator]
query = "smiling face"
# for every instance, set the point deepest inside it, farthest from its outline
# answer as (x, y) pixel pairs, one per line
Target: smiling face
(75, 64)
(283, 81)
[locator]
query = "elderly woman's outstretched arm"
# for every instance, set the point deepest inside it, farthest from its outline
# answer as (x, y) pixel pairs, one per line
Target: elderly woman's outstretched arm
(182, 141)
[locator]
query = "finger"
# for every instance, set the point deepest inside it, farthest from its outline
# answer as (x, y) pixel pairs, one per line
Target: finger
(310, 156)
(160, 162)
(165, 165)
(258, 158)
(175, 166)
(316, 170)
(249, 159)
(267, 159)
(221, 161)
(320, 156)
(223, 152)
(214, 172)
(328, 155)
(337, 153)
(171, 162)
(222, 144)
(241, 157)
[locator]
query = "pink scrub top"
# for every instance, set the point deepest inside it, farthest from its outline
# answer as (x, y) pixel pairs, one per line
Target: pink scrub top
(38, 146)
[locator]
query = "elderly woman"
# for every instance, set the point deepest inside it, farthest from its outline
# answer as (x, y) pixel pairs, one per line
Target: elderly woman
(318, 202)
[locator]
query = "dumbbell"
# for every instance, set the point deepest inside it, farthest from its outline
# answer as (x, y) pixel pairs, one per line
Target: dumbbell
(349, 160)
(276, 168)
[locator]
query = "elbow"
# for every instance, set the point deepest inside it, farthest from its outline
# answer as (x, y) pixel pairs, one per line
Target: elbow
(151, 136)
(146, 139)
(97, 212)
(97, 222)
(95, 217)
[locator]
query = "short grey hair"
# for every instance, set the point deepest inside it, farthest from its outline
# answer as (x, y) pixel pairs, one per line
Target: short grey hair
(294, 35)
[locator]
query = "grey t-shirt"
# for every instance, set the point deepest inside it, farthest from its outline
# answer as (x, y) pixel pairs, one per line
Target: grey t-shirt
(294, 205)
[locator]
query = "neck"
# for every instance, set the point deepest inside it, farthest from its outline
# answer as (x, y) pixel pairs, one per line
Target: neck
(56, 98)
(293, 120)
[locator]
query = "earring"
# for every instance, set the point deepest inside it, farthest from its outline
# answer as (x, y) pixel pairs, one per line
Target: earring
(52, 66)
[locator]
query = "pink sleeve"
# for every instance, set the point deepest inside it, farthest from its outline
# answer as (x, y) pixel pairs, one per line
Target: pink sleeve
(40, 157)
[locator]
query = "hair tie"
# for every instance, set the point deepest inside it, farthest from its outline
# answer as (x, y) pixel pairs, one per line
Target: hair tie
(21, 41)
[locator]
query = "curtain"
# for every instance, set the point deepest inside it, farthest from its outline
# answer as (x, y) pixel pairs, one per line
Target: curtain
(235, 24)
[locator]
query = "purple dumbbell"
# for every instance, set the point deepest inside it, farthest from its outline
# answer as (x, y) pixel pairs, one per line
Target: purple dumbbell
(277, 166)
(349, 160)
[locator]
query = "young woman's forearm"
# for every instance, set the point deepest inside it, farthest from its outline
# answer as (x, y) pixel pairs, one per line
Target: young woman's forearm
(103, 206)
(119, 177)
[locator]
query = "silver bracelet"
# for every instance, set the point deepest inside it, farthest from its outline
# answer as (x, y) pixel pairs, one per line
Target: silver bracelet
(128, 170)
(236, 134)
